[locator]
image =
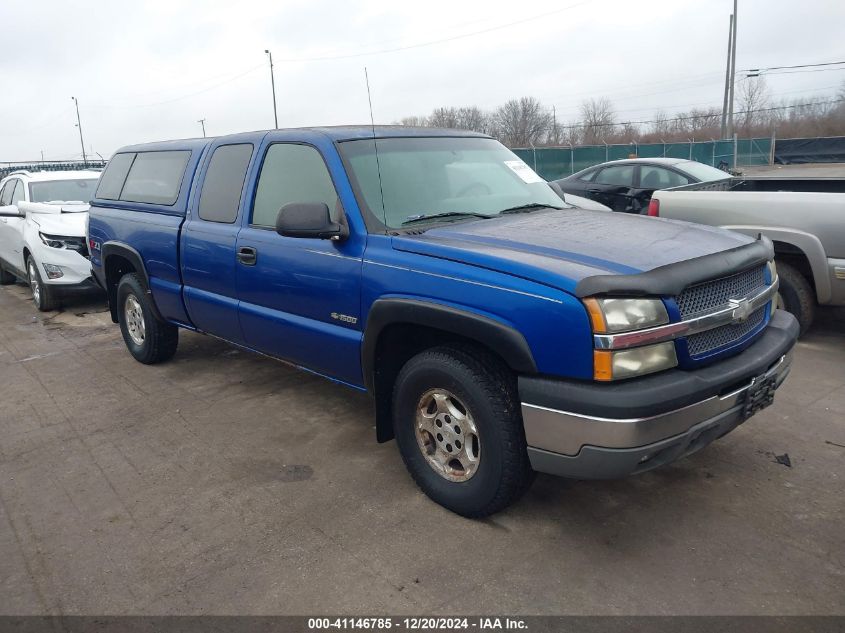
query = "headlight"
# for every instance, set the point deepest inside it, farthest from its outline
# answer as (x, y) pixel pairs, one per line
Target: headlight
(61, 241)
(621, 315)
(637, 361)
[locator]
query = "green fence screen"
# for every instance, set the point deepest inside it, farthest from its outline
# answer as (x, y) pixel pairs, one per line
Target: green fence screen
(557, 162)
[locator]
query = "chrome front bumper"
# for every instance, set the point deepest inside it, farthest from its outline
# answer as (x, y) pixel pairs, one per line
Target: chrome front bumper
(590, 447)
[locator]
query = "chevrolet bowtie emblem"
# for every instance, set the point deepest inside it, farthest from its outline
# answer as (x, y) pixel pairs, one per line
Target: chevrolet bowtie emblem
(741, 310)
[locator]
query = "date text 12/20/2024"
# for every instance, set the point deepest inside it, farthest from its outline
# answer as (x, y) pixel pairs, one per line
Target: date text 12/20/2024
(417, 624)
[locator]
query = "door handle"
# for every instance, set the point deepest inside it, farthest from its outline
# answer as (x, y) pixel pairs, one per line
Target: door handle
(593, 191)
(247, 255)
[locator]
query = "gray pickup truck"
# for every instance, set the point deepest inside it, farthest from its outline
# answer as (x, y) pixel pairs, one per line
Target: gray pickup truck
(806, 225)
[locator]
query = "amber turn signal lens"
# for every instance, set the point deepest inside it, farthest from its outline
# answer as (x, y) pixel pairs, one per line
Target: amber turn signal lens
(596, 316)
(602, 365)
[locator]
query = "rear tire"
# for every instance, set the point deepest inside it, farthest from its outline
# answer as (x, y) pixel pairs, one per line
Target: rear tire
(796, 295)
(44, 296)
(472, 459)
(149, 339)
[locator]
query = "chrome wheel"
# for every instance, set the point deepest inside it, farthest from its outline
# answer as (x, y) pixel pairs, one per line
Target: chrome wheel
(134, 320)
(34, 285)
(447, 435)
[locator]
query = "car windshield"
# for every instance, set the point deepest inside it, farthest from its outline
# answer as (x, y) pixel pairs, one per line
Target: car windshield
(704, 173)
(446, 179)
(77, 190)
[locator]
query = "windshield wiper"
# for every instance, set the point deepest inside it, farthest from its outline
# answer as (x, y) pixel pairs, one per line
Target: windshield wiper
(446, 214)
(528, 208)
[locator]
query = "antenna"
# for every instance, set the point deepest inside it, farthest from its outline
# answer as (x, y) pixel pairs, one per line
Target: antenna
(375, 146)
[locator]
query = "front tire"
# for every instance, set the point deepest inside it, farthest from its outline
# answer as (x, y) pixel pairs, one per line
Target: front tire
(795, 295)
(44, 296)
(149, 339)
(458, 425)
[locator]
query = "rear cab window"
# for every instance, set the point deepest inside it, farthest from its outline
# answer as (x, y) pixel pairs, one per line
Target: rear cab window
(155, 177)
(111, 182)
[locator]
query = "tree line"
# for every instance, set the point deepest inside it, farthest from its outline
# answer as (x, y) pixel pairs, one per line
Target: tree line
(527, 122)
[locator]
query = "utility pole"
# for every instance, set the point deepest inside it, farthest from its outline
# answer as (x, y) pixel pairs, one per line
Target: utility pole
(733, 76)
(273, 84)
(724, 128)
(79, 125)
(554, 126)
(202, 123)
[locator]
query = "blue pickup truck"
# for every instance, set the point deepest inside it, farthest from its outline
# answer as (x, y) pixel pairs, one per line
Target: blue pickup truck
(500, 330)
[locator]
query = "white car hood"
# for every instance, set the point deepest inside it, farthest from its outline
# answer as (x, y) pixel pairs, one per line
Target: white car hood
(66, 224)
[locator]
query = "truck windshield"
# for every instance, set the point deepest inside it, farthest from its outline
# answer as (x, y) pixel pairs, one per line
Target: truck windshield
(81, 190)
(446, 179)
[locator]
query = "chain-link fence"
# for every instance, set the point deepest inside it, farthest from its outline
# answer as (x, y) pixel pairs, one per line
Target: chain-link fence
(557, 162)
(8, 167)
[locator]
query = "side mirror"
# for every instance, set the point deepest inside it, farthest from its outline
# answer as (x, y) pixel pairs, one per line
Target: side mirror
(11, 211)
(309, 219)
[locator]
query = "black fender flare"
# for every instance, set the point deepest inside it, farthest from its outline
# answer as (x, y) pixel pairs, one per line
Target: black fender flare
(130, 254)
(498, 337)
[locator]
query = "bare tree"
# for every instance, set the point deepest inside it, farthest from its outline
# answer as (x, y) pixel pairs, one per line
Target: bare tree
(473, 118)
(414, 121)
(444, 117)
(521, 122)
(753, 97)
(597, 117)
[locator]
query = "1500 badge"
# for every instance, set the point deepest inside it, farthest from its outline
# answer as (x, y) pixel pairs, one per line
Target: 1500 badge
(345, 318)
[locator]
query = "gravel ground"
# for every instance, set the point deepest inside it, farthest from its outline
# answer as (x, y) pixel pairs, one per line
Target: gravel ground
(225, 482)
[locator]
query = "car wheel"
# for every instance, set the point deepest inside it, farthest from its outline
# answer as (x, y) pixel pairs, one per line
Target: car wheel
(795, 295)
(149, 339)
(43, 295)
(457, 422)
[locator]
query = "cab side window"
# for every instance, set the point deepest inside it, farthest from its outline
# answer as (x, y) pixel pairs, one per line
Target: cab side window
(224, 182)
(292, 173)
(17, 194)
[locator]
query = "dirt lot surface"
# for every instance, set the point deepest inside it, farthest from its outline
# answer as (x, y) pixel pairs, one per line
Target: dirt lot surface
(225, 482)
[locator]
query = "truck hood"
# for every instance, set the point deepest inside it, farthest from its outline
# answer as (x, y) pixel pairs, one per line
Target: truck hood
(560, 248)
(65, 224)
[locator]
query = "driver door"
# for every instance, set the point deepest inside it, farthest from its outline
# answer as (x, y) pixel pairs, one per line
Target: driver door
(300, 298)
(11, 224)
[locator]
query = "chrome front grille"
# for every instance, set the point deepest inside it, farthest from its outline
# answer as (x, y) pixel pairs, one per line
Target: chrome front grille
(714, 295)
(709, 340)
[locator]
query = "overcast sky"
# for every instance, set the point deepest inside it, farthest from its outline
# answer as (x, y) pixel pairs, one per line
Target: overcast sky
(149, 69)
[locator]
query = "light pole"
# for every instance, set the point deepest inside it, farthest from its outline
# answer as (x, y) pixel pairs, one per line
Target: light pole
(273, 84)
(731, 129)
(202, 123)
(79, 125)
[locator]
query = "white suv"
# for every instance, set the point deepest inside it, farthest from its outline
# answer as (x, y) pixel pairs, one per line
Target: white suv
(43, 224)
